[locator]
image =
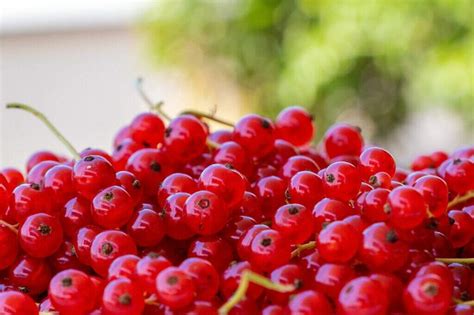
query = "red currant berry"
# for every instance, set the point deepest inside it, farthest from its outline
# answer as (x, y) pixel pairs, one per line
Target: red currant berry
(131, 184)
(343, 139)
(329, 210)
(123, 152)
(462, 228)
(148, 268)
(297, 164)
(245, 241)
(36, 174)
(175, 183)
(204, 275)
(122, 297)
(175, 288)
(427, 294)
(206, 213)
(270, 191)
(341, 181)
(250, 206)
(380, 180)
(294, 222)
(236, 227)
(310, 302)
(406, 208)
(83, 242)
(16, 303)
(374, 160)
(435, 192)
(221, 136)
(92, 174)
(146, 227)
(66, 258)
(13, 177)
(459, 175)
(28, 199)
(123, 267)
(362, 295)
(331, 278)
(147, 128)
(174, 215)
(40, 235)
(233, 154)
(422, 162)
(269, 250)
(112, 207)
(338, 242)
(305, 188)
(8, 246)
(214, 249)
(30, 275)
(295, 125)
(38, 157)
(289, 274)
(255, 134)
(373, 209)
(231, 278)
(392, 285)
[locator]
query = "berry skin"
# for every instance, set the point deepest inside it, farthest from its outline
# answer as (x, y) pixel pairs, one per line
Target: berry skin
(214, 249)
(362, 296)
(380, 179)
(297, 164)
(40, 235)
(150, 166)
(381, 249)
(338, 242)
(147, 128)
(221, 136)
(427, 294)
(250, 206)
(185, 138)
(374, 160)
(146, 227)
(38, 157)
(131, 184)
(231, 153)
(245, 242)
(236, 227)
(435, 192)
(406, 208)
(255, 134)
(92, 174)
(83, 242)
(204, 275)
(305, 188)
(123, 267)
(392, 285)
(270, 192)
(36, 174)
(225, 182)
(343, 139)
(462, 228)
(4, 194)
(310, 302)
(273, 310)
(13, 177)
(331, 278)
(31, 275)
(422, 162)
(282, 151)
(373, 209)
(8, 246)
(287, 274)
(16, 303)
(175, 183)
(295, 125)
(123, 152)
(206, 213)
(269, 250)
(72, 292)
(175, 288)
(174, 215)
(341, 181)
(294, 222)
(439, 269)
(112, 207)
(122, 297)
(329, 210)
(59, 180)
(66, 258)
(459, 175)
(148, 268)
(107, 246)
(28, 199)
(230, 280)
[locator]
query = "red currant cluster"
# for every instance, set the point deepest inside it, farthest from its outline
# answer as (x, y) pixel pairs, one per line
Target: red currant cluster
(253, 220)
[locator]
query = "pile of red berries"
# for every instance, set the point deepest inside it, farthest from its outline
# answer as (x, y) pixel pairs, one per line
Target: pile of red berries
(252, 220)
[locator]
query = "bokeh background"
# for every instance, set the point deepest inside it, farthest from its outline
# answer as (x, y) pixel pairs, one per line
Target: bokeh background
(401, 70)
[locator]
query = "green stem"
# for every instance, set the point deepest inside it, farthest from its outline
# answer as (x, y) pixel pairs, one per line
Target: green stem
(302, 247)
(207, 116)
(211, 144)
(456, 260)
(154, 107)
(247, 278)
(48, 124)
(460, 199)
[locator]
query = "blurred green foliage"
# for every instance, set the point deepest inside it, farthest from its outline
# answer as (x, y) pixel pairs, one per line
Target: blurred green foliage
(383, 58)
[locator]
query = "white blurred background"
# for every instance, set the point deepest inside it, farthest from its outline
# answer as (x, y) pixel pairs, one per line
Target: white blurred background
(77, 61)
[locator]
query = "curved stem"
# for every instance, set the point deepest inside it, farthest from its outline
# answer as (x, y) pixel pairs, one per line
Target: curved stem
(211, 144)
(300, 248)
(456, 260)
(48, 124)
(469, 303)
(13, 227)
(247, 278)
(207, 116)
(154, 107)
(460, 199)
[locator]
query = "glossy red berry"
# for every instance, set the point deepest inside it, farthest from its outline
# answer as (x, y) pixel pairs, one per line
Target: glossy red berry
(374, 160)
(297, 164)
(373, 208)
(123, 267)
(331, 278)
(380, 180)
(329, 210)
(221, 136)
(233, 154)
(37, 173)
(435, 193)
(72, 292)
(231, 278)
(204, 275)
(295, 125)
(427, 294)
(459, 175)
(92, 174)
(28, 199)
(83, 242)
(289, 274)
(338, 242)
(294, 222)
(305, 188)
(146, 227)
(362, 295)
(214, 249)
(175, 288)
(343, 139)
(422, 162)
(225, 182)
(175, 183)
(147, 128)
(66, 258)
(270, 192)
(59, 180)
(30, 275)
(15, 303)
(131, 184)
(185, 138)
(382, 249)
(406, 207)
(123, 151)
(206, 213)
(341, 181)
(250, 206)
(122, 297)
(13, 177)
(174, 216)
(112, 207)
(310, 302)
(462, 228)
(40, 235)
(38, 157)
(269, 250)
(148, 268)
(255, 134)
(107, 246)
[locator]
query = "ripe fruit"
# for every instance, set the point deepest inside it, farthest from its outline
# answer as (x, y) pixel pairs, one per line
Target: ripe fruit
(341, 181)
(122, 296)
(13, 302)
(175, 288)
(268, 250)
(41, 235)
(206, 213)
(427, 294)
(112, 207)
(295, 125)
(338, 242)
(92, 174)
(362, 295)
(255, 134)
(406, 208)
(8, 246)
(343, 139)
(294, 222)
